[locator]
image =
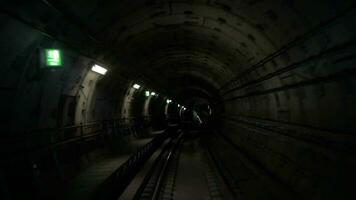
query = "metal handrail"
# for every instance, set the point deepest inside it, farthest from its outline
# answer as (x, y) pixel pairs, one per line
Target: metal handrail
(43, 140)
(38, 131)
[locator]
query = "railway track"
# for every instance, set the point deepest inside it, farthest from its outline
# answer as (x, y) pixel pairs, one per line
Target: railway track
(192, 165)
(186, 169)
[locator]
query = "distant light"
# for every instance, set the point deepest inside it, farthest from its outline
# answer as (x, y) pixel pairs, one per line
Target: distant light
(136, 86)
(178, 105)
(53, 57)
(169, 101)
(147, 93)
(153, 93)
(98, 69)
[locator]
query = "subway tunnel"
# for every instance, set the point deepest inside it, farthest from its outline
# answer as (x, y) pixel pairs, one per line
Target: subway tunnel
(178, 99)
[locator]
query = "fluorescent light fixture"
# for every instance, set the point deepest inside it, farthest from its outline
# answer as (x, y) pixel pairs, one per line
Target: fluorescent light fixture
(147, 93)
(153, 93)
(98, 69)
(136, 86)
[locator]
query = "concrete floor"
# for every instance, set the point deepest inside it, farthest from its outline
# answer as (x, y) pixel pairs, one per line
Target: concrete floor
(191, 183)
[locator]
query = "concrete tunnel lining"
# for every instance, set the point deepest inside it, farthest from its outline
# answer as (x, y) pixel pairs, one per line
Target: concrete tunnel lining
(278, 74)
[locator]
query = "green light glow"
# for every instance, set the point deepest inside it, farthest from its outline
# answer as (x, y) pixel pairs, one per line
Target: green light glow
(147, 93)
(53, 57)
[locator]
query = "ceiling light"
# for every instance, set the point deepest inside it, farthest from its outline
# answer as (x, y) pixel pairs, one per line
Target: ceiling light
(136, 86)
(98, 69)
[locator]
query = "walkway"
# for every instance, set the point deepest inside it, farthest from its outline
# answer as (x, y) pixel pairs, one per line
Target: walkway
(82, 186)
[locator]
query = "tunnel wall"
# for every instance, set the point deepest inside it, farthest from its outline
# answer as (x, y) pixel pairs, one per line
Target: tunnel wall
(295, 112)
(35, 98)
(157, 113)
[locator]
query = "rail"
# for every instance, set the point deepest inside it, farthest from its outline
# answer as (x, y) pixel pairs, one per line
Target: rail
(114, 186)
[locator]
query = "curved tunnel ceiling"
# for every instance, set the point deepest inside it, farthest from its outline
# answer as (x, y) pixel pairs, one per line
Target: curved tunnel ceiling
(201, 43)
(278, 75)
(196, 40)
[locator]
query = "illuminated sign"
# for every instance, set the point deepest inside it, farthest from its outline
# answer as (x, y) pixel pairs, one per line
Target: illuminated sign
(53, 57)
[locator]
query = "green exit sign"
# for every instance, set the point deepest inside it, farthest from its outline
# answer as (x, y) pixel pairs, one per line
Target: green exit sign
(52, 57)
